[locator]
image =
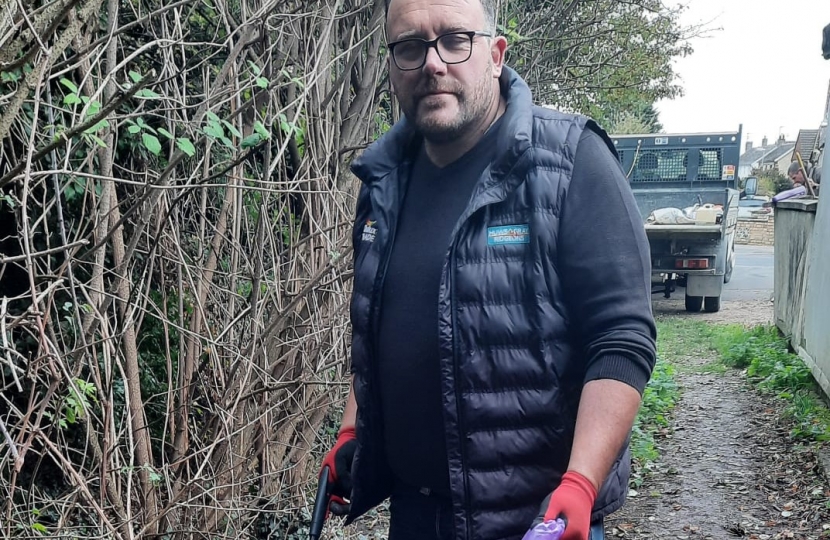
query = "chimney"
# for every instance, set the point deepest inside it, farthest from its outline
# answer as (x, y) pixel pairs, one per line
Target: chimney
(781, 139)
(748, 146)
(764, 141)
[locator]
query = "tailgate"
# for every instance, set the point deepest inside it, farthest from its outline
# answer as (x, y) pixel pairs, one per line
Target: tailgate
(704, 232)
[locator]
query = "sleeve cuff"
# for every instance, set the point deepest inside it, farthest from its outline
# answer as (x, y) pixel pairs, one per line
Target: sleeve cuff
(620, 368)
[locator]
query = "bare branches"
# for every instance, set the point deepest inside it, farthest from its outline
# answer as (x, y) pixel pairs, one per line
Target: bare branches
(175, 272)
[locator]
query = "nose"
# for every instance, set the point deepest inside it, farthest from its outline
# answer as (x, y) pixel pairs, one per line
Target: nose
(433, 65)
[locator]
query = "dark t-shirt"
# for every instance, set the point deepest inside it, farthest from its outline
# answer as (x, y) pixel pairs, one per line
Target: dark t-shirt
(596, 226)
(408, 355)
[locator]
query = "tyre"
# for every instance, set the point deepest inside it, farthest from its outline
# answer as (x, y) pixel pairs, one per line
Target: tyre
(693, 303)
(730, 266)
(712, 304)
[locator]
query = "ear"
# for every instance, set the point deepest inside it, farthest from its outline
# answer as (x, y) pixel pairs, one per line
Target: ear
(498, 47)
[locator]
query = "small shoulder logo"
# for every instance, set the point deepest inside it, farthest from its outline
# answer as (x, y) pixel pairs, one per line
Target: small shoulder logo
(369, 231)
(508, 234)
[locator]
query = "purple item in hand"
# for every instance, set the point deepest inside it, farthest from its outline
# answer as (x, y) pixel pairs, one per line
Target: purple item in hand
(796, 192)
(549, 530)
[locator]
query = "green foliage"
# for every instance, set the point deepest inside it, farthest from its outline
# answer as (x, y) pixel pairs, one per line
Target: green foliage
(75, 404)
(771, 181)
(602, 58)
(769, 363)
(659, 399)
(631, 121)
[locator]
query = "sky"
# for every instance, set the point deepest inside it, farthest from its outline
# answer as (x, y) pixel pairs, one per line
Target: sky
(760, 66)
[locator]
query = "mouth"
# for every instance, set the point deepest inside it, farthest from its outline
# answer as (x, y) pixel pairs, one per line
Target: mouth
(436, 93)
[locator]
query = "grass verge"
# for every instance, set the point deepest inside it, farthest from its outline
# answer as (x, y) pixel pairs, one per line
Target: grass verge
(652, 421)
(660, 397)
(774, 369)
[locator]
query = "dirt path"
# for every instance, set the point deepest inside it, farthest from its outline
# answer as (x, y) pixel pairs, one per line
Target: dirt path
(729, 469)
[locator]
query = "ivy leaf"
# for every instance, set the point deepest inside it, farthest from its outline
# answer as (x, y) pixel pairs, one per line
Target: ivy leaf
(214, 131)
(212, 117)
(98, 140)
(71, 99)
(262, 82)
(147, 93)
(166, 133)
(251, 140)
(39, 527)
(227, 142)
(259, 128)
(97, 127)
(235, 132)
(186, 146)
(132, 128)
(94, 107)
(151, 143)
(254, 68)
(136, 77)
(69, 84)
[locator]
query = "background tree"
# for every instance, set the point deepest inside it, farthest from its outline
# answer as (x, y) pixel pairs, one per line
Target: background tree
(604, 58)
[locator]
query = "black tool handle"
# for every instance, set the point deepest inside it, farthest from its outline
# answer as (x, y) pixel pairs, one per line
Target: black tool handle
(321, 503)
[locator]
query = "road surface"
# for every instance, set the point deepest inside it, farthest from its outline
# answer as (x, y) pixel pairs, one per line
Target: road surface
(752, 278)
(746, 298)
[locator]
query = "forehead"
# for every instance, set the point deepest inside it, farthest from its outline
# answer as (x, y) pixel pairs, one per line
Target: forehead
(429, 18)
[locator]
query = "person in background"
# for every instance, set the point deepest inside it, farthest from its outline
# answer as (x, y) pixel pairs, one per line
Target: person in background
(502, 331)
(796, 176)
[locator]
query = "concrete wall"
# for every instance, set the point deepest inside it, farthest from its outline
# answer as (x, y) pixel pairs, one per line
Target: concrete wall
(802, 285)
(755, 232)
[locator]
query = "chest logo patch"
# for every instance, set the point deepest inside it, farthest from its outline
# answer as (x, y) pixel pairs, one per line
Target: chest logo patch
(508, 234)
(369, 231)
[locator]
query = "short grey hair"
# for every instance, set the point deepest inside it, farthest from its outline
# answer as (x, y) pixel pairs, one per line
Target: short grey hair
(489, 8)
(794, 168)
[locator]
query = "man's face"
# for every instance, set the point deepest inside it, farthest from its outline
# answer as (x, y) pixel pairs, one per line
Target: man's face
(444, 100)
(797, 177)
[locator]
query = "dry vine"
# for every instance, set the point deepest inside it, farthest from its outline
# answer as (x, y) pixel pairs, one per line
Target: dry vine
(175, 247)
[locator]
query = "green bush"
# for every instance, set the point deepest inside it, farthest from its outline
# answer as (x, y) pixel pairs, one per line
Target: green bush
(768, 362)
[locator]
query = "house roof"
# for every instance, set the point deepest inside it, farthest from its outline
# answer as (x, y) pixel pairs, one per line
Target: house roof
(806, 141)
(753, 155)
(779, 152)
(772, 153)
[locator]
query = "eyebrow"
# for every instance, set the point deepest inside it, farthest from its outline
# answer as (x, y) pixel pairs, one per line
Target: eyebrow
(409, 34)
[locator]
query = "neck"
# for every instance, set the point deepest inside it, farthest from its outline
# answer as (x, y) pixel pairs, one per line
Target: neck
(444, 154)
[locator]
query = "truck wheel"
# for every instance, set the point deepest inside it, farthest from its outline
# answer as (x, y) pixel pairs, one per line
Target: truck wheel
(693, 303)
(730, 267)
(712, 304)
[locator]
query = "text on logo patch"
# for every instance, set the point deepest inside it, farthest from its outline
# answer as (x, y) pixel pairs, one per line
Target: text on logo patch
(508, 234)
(369, 231)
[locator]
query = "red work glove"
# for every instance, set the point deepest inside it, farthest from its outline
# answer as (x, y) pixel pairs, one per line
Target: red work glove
(572, 501)
(339, 461)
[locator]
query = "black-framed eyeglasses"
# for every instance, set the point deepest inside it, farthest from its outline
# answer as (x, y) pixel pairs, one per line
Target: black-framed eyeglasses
(453, 48)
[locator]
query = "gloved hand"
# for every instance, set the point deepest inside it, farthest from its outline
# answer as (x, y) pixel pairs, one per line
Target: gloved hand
(339, 460)
(572, 501)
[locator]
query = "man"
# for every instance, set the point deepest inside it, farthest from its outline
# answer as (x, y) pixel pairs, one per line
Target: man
(796, 176)
(501, 312)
